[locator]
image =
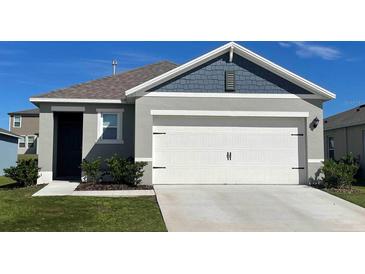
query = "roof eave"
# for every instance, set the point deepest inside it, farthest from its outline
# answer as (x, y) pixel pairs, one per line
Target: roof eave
(37, 100)
(10, 134)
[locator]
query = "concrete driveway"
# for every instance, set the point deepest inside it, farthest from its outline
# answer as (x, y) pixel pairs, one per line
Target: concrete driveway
(256, 208)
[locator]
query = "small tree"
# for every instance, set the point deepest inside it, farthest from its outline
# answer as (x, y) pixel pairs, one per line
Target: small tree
(92, 170)
(25, 173)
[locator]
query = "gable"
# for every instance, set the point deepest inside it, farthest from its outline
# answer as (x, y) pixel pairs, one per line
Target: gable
(302, 86)
(249, 78)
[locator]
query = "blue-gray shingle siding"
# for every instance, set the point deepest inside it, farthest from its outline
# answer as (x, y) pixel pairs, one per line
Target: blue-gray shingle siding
(8, 149)
(249, 78)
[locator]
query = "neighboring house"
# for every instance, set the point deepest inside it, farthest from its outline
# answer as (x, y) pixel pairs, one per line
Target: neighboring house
(227, 117)
(26, 124)
(344, 133)
(8, 149)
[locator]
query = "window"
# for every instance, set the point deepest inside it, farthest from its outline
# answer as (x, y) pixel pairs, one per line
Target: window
(110, 129)
(331, 148)
(22, 141)
(17, 122)
(110, 126)
(27, 141)
(30, 141)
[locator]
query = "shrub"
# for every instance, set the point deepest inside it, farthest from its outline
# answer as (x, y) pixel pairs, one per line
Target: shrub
(125, 171)
(340, 174)
(25, 173)
(92, 170)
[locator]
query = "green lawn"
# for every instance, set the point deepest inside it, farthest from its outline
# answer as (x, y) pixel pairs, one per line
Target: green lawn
(5, 181)
(21, 212)
(356, 198)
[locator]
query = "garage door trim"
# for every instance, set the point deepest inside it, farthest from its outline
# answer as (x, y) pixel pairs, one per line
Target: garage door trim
(229, 113)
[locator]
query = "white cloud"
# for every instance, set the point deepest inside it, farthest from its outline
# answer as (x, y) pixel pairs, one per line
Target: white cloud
(285, 44)
(134, 57)
(310, 50)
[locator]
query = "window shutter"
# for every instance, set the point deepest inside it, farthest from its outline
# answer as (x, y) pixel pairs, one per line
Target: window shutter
(230, 80)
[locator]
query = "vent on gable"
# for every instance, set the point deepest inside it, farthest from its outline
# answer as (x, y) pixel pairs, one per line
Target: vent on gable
(230, 80)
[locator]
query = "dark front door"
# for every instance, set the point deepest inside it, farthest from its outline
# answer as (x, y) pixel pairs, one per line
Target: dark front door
(69, 144)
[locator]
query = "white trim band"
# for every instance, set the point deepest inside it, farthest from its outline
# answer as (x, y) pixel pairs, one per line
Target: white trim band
(315, 160)
(68, 100)
(229, 113)
(67, 109)
(232, 95)
(141, 159)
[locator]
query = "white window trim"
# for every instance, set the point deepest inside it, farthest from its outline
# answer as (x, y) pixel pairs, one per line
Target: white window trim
(20, 121)
(119, 113)
(25, 142)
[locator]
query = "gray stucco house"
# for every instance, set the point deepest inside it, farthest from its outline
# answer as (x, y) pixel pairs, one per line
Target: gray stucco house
(227, 117)
(8, 149)
(25, 123)
(344, 133)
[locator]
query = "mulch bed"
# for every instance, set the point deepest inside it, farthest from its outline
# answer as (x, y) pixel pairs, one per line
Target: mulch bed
(108, 186)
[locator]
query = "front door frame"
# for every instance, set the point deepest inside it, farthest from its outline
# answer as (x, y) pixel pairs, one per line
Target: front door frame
(64, 109)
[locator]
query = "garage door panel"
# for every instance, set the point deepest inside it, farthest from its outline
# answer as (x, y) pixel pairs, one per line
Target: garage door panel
(188, 175)
(260, 153)
(190, 157)
(194, 137)
(274, 157)
(222, 175)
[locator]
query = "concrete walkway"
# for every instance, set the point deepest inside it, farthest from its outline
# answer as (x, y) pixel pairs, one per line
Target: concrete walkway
(115, 193)
(256, 208)
(66, 188)
(57, 188)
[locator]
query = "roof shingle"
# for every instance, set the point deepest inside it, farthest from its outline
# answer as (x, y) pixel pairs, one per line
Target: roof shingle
(111, 87)
(31, 112)
(352, 117)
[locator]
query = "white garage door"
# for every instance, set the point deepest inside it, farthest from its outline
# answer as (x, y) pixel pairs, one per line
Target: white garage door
(228, 150)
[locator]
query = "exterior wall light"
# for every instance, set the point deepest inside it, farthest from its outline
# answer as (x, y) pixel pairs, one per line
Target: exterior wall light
(314, 123)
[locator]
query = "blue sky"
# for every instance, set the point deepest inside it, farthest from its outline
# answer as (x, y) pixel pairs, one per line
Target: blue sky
(30, 68)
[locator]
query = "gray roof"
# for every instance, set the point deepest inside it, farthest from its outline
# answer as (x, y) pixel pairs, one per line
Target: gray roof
(352, 117)
(111, 87)
(8, 133)
(30, 112)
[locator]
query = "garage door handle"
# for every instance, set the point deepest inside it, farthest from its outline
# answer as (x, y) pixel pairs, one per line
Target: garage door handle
(229, 156)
